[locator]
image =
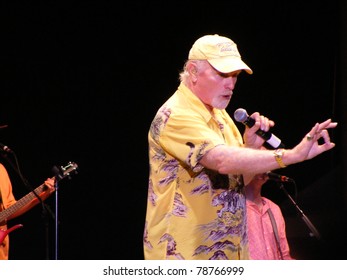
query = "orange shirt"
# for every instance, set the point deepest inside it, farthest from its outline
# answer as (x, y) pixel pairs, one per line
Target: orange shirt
(6, 199)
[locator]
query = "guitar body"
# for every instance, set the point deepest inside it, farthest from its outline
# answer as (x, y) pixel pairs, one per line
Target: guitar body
(4, 233)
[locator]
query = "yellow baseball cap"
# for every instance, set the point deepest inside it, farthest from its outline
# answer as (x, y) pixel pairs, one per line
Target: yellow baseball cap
(220, 52)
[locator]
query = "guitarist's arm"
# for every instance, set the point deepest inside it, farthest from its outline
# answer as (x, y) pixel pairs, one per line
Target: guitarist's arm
(44, 194)
(6, 195)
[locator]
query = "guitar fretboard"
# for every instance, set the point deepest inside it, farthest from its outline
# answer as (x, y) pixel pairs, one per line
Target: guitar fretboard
(4, 214)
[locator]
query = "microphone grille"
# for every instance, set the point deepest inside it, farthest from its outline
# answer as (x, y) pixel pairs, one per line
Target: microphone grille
(240, 115)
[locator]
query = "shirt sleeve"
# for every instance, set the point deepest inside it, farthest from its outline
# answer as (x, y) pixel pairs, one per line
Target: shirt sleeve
(7, 197)
(188, 138)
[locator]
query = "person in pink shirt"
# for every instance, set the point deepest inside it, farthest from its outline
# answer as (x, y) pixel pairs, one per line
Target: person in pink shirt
(266, 225)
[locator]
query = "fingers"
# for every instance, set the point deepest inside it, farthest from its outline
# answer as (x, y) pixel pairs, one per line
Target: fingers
(262, 122)
(320, 131)
(327, 124)
(312, 135)
(317, 132)
(265, 123)
(327, 145)
(50, 183)
(325, 135)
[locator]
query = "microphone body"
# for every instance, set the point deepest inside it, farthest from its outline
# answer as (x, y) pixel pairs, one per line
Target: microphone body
(272, 141)
(278, 178)
(4, 148)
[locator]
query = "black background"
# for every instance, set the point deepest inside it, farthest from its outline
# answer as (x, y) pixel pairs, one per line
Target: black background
(82, 81)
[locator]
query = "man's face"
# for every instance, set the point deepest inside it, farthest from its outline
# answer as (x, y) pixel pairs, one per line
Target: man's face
(215, 88)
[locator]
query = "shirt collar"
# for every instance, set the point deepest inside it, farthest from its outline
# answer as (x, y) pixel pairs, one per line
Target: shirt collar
(196, 103)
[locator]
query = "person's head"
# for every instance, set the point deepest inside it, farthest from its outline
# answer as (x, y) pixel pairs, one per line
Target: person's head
(260, 178)
(211, 70)
(257, 182)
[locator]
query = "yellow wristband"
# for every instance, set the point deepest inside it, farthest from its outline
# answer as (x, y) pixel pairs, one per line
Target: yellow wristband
(278, 157)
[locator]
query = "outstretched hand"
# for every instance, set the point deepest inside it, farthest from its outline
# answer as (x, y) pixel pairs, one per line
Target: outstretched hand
(309, 147)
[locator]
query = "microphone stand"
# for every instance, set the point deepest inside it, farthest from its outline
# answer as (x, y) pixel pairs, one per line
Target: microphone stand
(56, 217)
(312, 228)
(58, 173)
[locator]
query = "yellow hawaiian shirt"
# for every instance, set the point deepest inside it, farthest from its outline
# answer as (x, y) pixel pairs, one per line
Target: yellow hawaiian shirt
(193, 213)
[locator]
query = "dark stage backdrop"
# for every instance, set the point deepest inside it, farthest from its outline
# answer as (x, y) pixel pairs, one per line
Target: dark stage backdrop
(82, 81)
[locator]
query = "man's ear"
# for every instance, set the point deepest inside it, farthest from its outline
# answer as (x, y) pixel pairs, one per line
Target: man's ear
(192, 69)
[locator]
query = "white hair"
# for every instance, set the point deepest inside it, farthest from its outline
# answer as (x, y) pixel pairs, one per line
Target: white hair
(184, 74)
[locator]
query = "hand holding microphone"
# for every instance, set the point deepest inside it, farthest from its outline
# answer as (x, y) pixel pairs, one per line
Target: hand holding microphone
(272, 141)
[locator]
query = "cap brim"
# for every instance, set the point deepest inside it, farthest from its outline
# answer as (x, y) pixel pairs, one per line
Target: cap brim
(229, 64)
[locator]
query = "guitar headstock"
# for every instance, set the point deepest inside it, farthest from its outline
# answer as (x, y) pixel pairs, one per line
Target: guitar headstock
(65, 171)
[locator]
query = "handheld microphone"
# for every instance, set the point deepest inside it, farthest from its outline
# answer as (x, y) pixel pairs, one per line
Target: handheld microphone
(278, 178)
(4, 148)
(272, 141)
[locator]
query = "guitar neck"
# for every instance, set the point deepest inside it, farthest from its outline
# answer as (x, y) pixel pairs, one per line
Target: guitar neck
(61, 173)
(4, 214)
